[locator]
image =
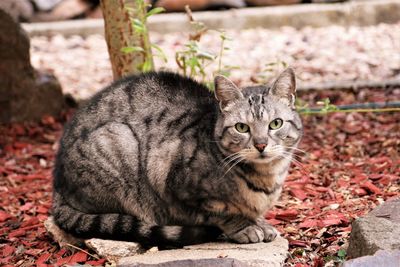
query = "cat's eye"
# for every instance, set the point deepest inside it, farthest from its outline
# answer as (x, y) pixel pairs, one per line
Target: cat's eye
(276, 124)
(242, 128)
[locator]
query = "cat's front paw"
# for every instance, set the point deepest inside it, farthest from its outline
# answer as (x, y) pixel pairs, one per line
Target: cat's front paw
(270, 233)
(250, 234)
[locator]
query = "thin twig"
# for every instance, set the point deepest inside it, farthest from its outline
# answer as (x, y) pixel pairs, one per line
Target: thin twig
(84, 251)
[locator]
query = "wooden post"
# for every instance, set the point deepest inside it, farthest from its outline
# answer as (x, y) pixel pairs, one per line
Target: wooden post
(119, 33)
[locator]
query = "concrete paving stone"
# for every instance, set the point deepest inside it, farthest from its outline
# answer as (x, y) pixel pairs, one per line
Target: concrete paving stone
(270, 254)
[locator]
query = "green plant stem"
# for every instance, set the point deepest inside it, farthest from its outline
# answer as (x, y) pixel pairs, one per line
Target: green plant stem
(221, 51)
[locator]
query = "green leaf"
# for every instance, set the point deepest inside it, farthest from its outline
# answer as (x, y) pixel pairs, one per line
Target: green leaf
(154, 11)
(130, 49)
(138, 25)
(161, 52)
(147, 66)
(205, 55)
(341, 253)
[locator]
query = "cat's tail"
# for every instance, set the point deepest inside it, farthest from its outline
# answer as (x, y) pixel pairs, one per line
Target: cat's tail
(128, 228)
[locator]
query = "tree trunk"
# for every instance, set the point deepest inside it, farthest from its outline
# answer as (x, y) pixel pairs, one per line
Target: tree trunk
(120, 33)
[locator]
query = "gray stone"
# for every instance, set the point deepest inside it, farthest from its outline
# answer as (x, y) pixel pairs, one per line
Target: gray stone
(25, 94)
(384, 258)
(221, 262)
(379, 230)
(259, 254)
(113, 250)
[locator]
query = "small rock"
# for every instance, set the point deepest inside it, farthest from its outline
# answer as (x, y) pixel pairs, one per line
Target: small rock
(113, 250)
(380, 258)
(379, 230)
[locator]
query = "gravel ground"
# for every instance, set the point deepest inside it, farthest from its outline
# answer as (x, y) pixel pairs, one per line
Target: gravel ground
(318, 55)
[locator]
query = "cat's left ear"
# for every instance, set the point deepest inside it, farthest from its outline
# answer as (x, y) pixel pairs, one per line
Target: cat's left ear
(285, 87)
(226, 91)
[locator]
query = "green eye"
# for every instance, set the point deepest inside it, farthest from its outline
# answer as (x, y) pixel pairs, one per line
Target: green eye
(242, 128)
(276, 124)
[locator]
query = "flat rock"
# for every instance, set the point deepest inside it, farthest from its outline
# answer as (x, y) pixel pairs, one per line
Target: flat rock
(113, 250)
(379, 230)
(386, 258)
(214, 254)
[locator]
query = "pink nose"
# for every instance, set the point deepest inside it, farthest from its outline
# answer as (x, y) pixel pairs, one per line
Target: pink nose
(260, 147)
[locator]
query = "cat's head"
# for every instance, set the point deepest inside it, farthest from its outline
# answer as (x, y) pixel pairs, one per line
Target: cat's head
(259, 123)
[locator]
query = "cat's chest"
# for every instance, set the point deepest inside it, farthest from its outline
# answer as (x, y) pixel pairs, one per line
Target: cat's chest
(257, 194)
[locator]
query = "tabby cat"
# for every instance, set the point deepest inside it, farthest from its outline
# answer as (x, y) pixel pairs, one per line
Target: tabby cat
(157, 159)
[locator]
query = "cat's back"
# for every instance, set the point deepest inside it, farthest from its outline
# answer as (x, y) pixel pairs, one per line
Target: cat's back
(157, 98)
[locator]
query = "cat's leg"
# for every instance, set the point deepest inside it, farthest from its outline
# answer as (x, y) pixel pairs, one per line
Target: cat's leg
(243, 230)
(270, 233)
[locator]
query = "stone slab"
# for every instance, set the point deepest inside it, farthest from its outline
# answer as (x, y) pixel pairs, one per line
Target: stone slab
(379, 230)
(359, 13)
(270, 254)
(386, 258)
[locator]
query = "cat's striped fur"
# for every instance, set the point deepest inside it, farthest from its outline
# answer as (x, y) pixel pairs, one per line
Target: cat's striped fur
(156, 159)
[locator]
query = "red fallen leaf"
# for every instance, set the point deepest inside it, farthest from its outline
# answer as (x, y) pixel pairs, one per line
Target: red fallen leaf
(359, 192)
(359, 178)
(329, 222)
(308, 224)
(41, 261)
(370, 187)
(331, 193)
(42, 210)
(378, 160)
(287, 215)
(375, 176)
(298, 193)
(19, 130)
(6, 260)
(79, 257)
(342, 183)
(274, 221)
(351, 129)
(48, 120)
(21, 145)
(96, 262)
(321, 189)
(7, 250)
(61, 253)
(33, 251)
(270, 214)
(298, 243)
(26, 206)
(31, 221)
(16, 233)
(4, 230)
(62, 261)
(34, 177)
(4, 216)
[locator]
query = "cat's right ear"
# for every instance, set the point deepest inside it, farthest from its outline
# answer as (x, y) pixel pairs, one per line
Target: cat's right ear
(226, 91)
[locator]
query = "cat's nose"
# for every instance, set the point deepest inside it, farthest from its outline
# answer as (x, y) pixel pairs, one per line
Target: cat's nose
(260, 147)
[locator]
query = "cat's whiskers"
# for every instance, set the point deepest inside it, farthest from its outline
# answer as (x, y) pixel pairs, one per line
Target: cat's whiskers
(229, 158)
(296, 149)
(233, 165)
